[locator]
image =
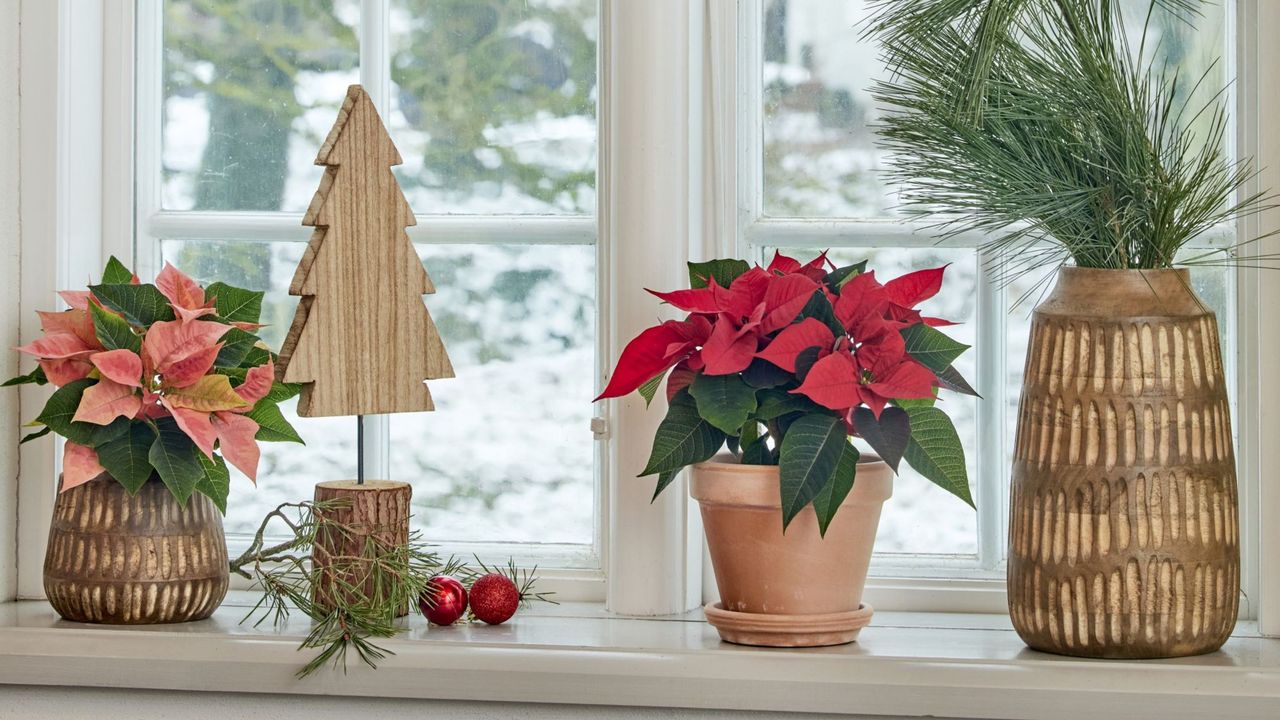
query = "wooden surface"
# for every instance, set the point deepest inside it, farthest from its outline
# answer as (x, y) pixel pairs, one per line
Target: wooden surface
(378, 509)
(130, 560)
(362, 341)
(1124, 526)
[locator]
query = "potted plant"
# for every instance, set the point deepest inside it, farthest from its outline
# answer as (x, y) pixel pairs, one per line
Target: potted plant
(783, 365)
(158, 387)
(1042, 124)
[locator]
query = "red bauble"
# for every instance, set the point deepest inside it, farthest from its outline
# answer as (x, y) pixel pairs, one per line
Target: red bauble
(494, 598)
(444, 601)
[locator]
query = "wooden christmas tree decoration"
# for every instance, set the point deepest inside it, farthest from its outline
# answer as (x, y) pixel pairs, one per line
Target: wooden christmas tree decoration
(362, 341)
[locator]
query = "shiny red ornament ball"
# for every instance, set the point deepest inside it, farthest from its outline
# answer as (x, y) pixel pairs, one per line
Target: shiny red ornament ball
(444, 601)
(494, 598)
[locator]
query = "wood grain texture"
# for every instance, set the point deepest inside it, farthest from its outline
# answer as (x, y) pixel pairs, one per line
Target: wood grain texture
(134, 560)
(377, 509)
(362, 342)
(1124, 525)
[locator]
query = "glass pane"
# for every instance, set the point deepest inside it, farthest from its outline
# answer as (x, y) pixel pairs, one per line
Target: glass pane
(921, 517)
(819, 153)
(288, 472)
(251, 87)
(494, 105)
(508, 455)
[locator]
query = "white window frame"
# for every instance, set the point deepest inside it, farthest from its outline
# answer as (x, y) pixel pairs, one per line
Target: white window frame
(661, 138)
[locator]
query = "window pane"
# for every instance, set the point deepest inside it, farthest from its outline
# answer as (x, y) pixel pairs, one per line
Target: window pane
(494, 104)
(921, 517)
(509, 454)
(250, 90)
(288, 472)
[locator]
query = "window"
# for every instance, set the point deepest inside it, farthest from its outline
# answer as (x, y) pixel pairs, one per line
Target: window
(811, 178)
(493, 107)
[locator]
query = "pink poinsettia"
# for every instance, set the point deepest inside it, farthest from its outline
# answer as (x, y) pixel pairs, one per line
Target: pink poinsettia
(122, 359)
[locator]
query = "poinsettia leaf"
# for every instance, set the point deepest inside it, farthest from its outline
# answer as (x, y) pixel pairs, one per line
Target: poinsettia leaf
(235, 304)
(931, 347)
(838, 277)
(116, 273)
(106, 400)
(214, 481)
(210, 393)
(257, 355)
(764, 374)
(176, 460)
(650, 388)
(935, 452)
(272, 426)
(829, 498)
(805, 360)
(811, 451)
(725, 401)
(37, 434)
(61, 408)
(725, 271)
(952, 380)
(127, 457)
(913, 288)
(236, 345)
(820, 308)
(282, 391)
(783, 348)
(683, 437)
(35, 377)
(888, 435)
(142, 305)
(776, 403)
(757, 453)
(664, 479)
(113, 331)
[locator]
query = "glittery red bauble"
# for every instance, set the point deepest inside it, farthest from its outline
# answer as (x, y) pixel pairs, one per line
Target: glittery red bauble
(444, 601)
(494, 598)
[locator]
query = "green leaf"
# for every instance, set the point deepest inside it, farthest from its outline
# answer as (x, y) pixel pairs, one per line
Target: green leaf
(776, 403)
(37, 434)
(61, 407)
(724, 400)
(650, 387)
(837, 278)
(805, 360)
(811, 451)
(664, 479)
(127, 458)
(820, 308)
(757, 453)
(764, 374)
(36, 377)
(113, 331)
(256, 356)
(936, 453)
(829, 498)
(272, 427)
(215, 480)
(174, 457)
(952, 380)
(683, 438)
(888, 435)
(141, 305)
(236, 344)
(931, 347)
(915, 403)
(235, 304)
(280, 392)
(116, 273)
(725, 271)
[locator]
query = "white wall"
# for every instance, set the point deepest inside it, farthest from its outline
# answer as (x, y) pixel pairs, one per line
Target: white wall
(10, 271)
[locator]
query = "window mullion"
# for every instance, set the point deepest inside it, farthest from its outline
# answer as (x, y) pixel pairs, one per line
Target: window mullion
(991, 316)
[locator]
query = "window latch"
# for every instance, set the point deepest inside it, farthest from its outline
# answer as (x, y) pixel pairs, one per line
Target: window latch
(600, 428)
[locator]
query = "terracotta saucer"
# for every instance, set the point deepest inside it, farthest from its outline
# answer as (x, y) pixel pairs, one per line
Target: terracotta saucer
(788, 630)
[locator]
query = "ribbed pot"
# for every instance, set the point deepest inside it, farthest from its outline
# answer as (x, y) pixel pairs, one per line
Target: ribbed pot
(791, 589)
(1124, 534)
(134, 560)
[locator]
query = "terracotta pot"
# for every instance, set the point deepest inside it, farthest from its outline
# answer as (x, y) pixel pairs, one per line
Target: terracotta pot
(796, 589)
(134, 560)
(1124, 528)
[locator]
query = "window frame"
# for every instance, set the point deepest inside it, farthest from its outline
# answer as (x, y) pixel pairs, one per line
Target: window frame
(77, 180)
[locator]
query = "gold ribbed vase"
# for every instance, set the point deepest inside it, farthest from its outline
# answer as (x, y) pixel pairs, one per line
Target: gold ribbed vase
(134, 560)
(1124, 536)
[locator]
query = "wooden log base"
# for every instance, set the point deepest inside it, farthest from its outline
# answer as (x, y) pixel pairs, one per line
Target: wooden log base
(379, 509)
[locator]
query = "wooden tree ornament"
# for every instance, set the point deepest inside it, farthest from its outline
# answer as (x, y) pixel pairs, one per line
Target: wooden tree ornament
(362, 341)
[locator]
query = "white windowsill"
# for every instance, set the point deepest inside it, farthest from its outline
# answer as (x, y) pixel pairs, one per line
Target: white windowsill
(908, 664)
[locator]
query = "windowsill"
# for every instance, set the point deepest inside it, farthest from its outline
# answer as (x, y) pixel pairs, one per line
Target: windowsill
(909, 664)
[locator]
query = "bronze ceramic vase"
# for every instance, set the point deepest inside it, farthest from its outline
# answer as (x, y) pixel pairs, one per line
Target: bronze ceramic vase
(134, 560)
(1124, 528)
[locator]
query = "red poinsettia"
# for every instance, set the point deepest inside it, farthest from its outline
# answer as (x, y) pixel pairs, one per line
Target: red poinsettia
(160, 378)
(768, 347)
